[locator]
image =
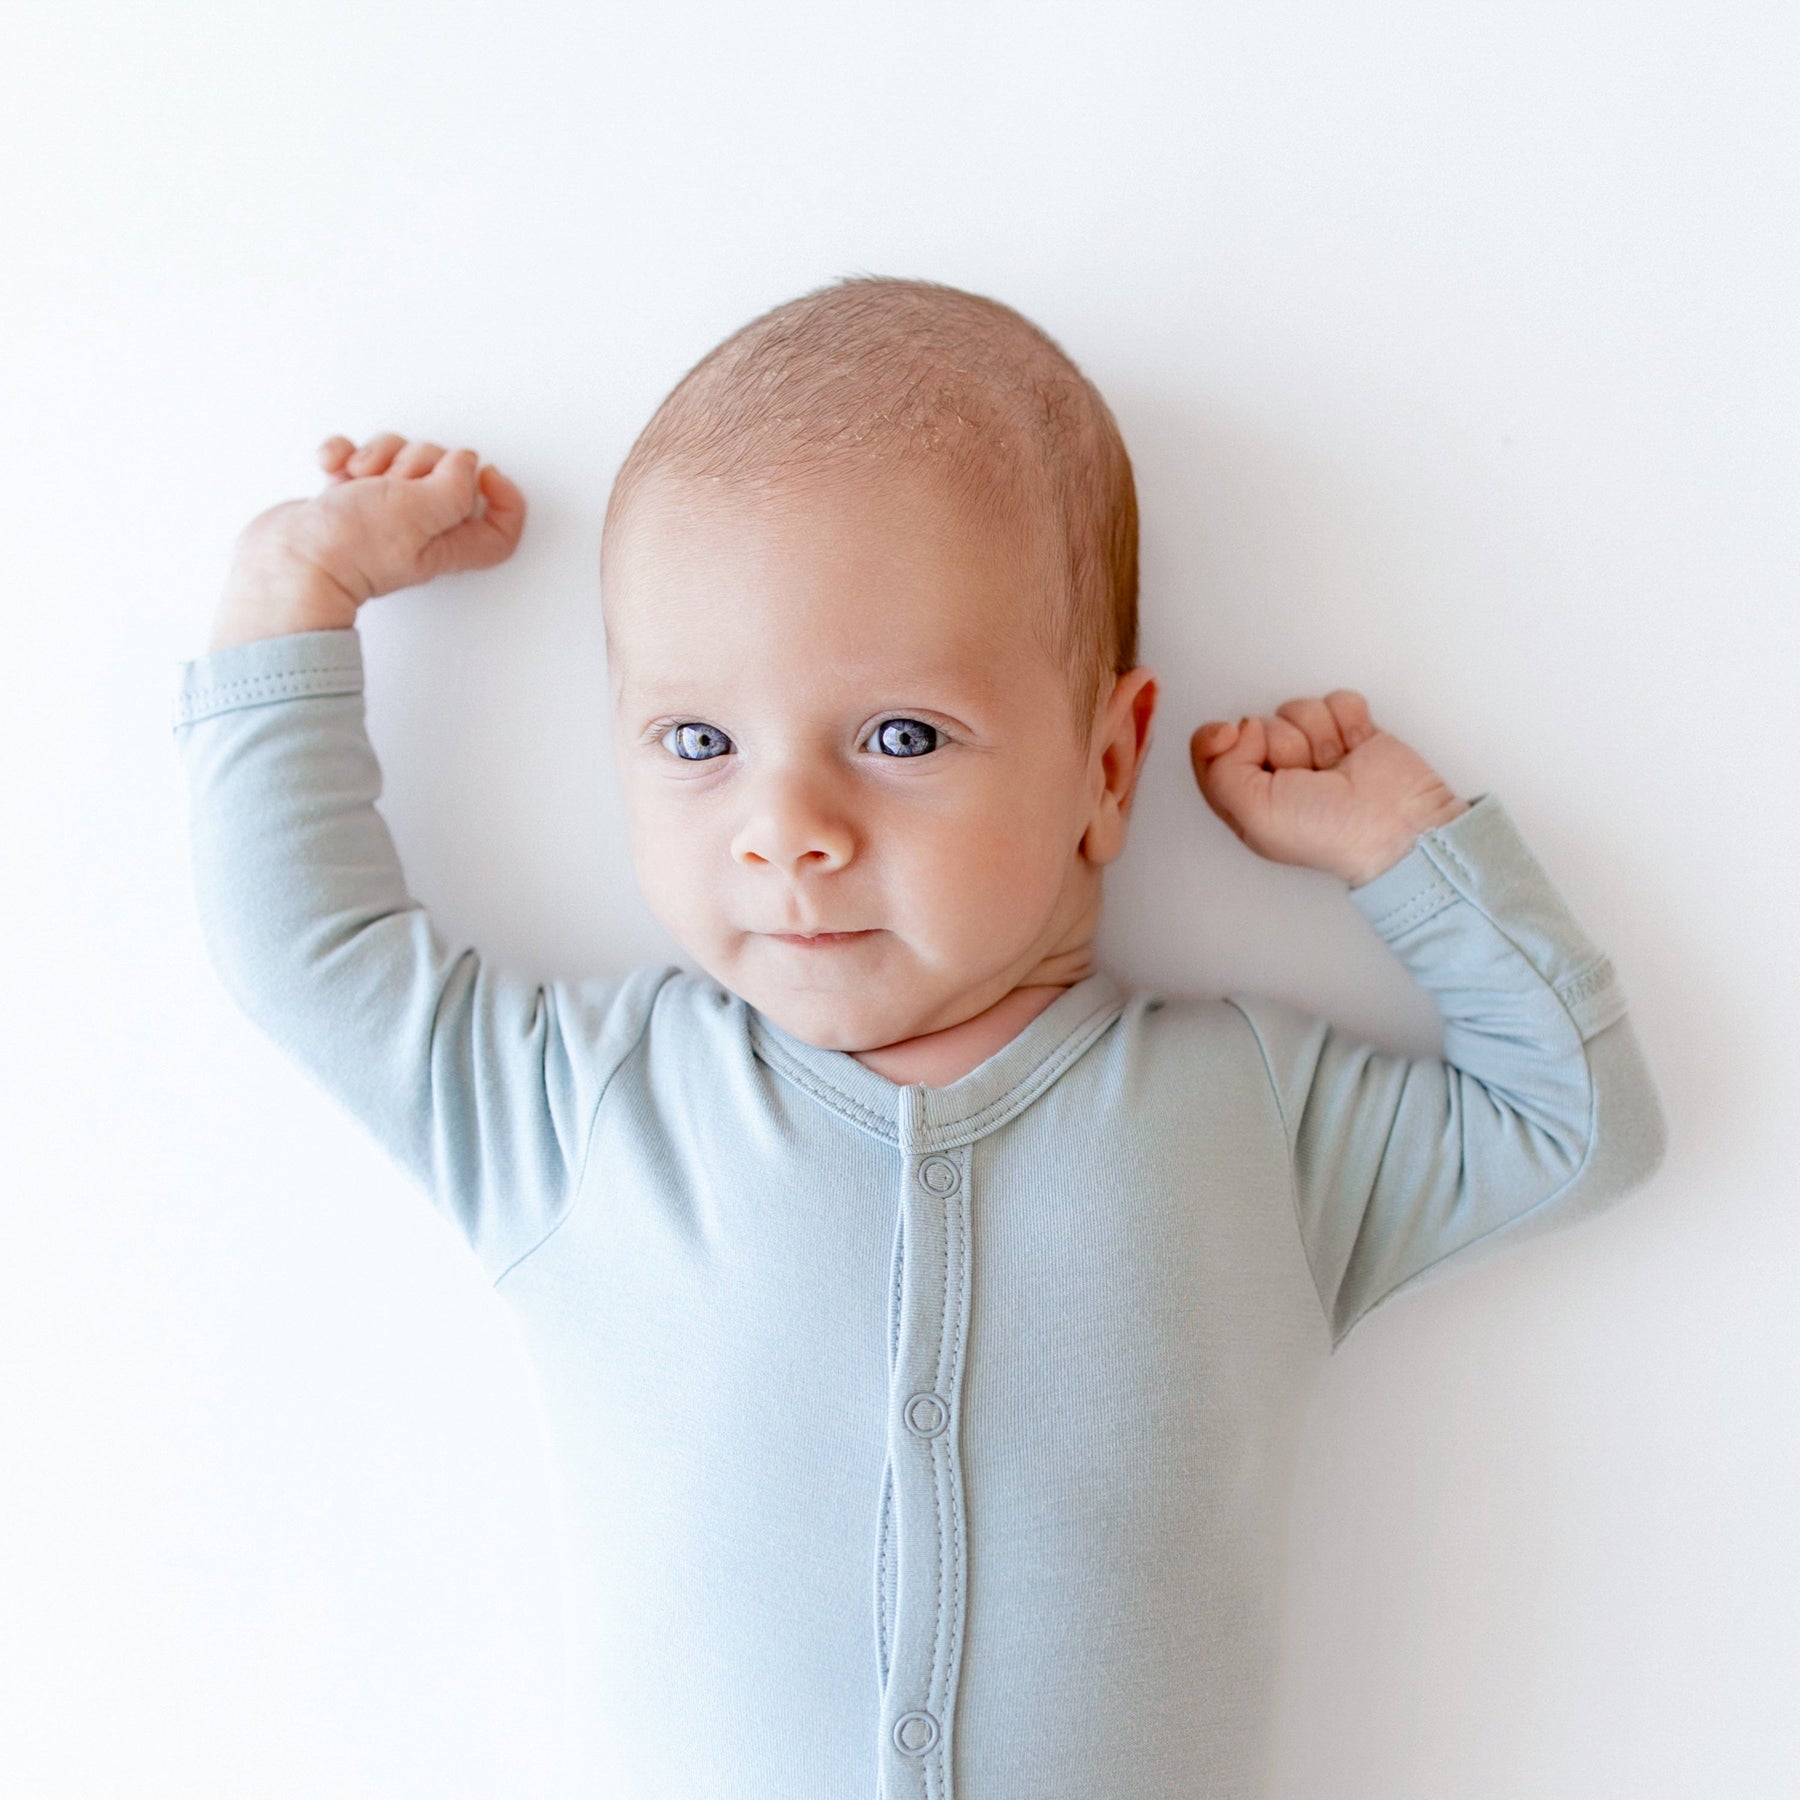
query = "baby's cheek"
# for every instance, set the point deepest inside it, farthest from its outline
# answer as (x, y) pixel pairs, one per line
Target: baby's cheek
(674, 881)
(995, 885)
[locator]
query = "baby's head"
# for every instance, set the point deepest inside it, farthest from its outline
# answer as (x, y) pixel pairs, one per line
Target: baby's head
(870, 586)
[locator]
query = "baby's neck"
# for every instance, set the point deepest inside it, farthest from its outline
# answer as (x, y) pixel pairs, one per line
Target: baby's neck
(940, 1057)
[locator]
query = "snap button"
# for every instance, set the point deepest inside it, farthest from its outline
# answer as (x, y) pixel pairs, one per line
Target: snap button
(915, 1733)
(939, 1175)
(926, 1414)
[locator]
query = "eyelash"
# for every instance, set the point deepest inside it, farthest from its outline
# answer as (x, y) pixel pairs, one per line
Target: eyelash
(875, 733)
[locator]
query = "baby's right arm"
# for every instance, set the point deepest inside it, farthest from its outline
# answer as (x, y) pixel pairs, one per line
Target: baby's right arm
(481, 1087)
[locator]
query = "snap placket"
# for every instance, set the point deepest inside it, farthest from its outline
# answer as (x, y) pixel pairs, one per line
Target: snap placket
(919, 1516)
(921, 1606)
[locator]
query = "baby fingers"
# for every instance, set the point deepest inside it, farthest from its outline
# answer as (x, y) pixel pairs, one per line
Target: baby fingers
(1351, 711)
(1232, 777)
(1256, 742)
(405, 459)
(374, 456)
(481, 515)
(416, 457)
(1315, 720)
(1244, 740)
(1288, 746)
(1211, 739)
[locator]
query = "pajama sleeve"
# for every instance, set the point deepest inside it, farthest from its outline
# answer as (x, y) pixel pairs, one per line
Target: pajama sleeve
(1542, 1110)
(482, 1087)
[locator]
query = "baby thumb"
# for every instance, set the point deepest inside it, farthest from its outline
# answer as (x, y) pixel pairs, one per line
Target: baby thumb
(1234, 782)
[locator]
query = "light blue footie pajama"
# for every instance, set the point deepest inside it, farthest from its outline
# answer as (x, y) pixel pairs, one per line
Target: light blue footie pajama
(918, 1442)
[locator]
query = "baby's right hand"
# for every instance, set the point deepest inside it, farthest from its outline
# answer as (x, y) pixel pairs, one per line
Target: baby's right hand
(392, 514)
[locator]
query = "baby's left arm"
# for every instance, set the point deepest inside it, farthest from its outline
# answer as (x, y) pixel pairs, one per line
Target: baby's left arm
(1543, 1109)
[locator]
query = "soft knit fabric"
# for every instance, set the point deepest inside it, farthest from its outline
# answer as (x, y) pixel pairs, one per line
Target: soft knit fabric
(922, 1442)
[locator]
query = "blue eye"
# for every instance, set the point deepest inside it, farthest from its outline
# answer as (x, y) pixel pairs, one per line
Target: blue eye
(906, 737)
(696, 743)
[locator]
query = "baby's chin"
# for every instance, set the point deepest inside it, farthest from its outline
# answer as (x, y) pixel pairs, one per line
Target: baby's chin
(835, 997)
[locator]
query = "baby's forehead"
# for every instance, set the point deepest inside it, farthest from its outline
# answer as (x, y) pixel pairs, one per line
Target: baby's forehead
(843, 637)
(817, 500)
(885, 553)
(805, 605)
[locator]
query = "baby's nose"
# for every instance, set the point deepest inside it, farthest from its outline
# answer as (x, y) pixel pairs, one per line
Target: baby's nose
(791, 829)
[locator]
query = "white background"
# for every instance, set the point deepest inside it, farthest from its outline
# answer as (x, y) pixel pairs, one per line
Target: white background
(1455, 349)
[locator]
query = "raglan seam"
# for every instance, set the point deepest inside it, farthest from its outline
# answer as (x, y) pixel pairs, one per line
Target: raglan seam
(587, 1152)
(1287, 1138)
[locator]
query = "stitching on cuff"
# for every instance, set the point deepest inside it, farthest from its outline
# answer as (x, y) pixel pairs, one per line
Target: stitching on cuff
(251, 689)
(1591, 997)
(1448, 853)
(255, 681)
(1428, 901)
(223, 687)
(1588, 983)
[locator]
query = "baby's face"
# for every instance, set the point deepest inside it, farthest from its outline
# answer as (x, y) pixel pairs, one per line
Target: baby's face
(831, 717)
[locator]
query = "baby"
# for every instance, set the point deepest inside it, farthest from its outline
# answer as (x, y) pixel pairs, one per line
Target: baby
(926, 1323)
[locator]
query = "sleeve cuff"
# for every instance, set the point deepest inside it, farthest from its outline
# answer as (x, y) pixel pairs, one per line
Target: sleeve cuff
(266, 669)
(1481, 857)
(1414, 888)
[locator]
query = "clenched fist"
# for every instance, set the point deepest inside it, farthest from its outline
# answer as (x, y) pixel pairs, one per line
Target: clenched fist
(1319, 784)
(391, 515)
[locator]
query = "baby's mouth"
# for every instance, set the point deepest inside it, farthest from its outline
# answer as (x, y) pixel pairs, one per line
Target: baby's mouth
(817, 940)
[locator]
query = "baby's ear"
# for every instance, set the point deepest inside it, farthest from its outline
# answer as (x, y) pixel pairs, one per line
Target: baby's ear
(1123, 741)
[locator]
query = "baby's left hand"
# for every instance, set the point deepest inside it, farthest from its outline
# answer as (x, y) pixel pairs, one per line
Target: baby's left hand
(1319, 784)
